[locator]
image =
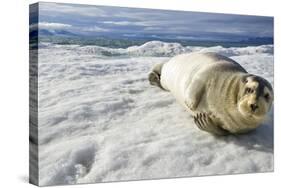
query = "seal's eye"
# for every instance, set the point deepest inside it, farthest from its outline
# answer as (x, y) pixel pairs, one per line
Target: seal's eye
(266, 96)
(249, 90)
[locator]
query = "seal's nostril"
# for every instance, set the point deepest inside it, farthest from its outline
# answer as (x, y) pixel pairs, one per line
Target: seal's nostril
(254, 107)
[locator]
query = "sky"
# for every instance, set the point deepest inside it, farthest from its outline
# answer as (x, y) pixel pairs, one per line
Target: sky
(89, 20)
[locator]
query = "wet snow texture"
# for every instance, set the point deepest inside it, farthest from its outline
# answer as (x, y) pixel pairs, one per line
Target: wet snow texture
(100, 120)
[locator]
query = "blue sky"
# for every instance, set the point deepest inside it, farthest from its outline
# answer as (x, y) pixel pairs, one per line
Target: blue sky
(88, 20)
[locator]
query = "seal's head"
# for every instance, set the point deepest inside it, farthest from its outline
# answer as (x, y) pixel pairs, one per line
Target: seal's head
(255, 97)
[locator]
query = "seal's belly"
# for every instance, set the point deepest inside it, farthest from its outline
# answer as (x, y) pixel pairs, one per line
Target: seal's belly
(178, 73)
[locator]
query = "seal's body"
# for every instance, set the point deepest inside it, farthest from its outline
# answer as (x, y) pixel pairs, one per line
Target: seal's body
(219, 93)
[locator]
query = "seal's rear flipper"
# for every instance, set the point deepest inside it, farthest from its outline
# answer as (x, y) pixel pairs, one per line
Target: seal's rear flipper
(154, 76)
(205, 123)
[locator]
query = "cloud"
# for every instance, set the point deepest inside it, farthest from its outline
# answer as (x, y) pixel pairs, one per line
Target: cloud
(70, 9)
(152, 28)
(52, 26)
(95, 29)
(49, 25)
(125, 23)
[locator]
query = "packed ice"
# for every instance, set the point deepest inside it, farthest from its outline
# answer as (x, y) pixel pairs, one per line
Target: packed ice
(100, 120)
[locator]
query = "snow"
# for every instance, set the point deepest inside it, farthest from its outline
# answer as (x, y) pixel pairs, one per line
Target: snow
(100, 120)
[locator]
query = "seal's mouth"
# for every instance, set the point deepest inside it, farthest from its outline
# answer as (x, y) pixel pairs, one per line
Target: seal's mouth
(252, 111)
(253, 116)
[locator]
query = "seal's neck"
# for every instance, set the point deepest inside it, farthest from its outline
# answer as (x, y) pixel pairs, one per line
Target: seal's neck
(232, 89)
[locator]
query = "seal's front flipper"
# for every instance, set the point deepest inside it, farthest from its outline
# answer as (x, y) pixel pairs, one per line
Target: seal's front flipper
(193, 95)
(205, 123)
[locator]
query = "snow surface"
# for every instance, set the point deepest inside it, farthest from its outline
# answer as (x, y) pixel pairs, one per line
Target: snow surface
(100, 120)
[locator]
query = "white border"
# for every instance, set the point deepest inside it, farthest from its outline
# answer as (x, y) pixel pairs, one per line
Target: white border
(14, 90)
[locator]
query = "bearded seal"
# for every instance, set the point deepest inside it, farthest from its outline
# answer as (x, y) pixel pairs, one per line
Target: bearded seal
(220, 94)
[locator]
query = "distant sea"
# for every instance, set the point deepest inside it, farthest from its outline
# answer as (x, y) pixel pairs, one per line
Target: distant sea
(130, 41)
